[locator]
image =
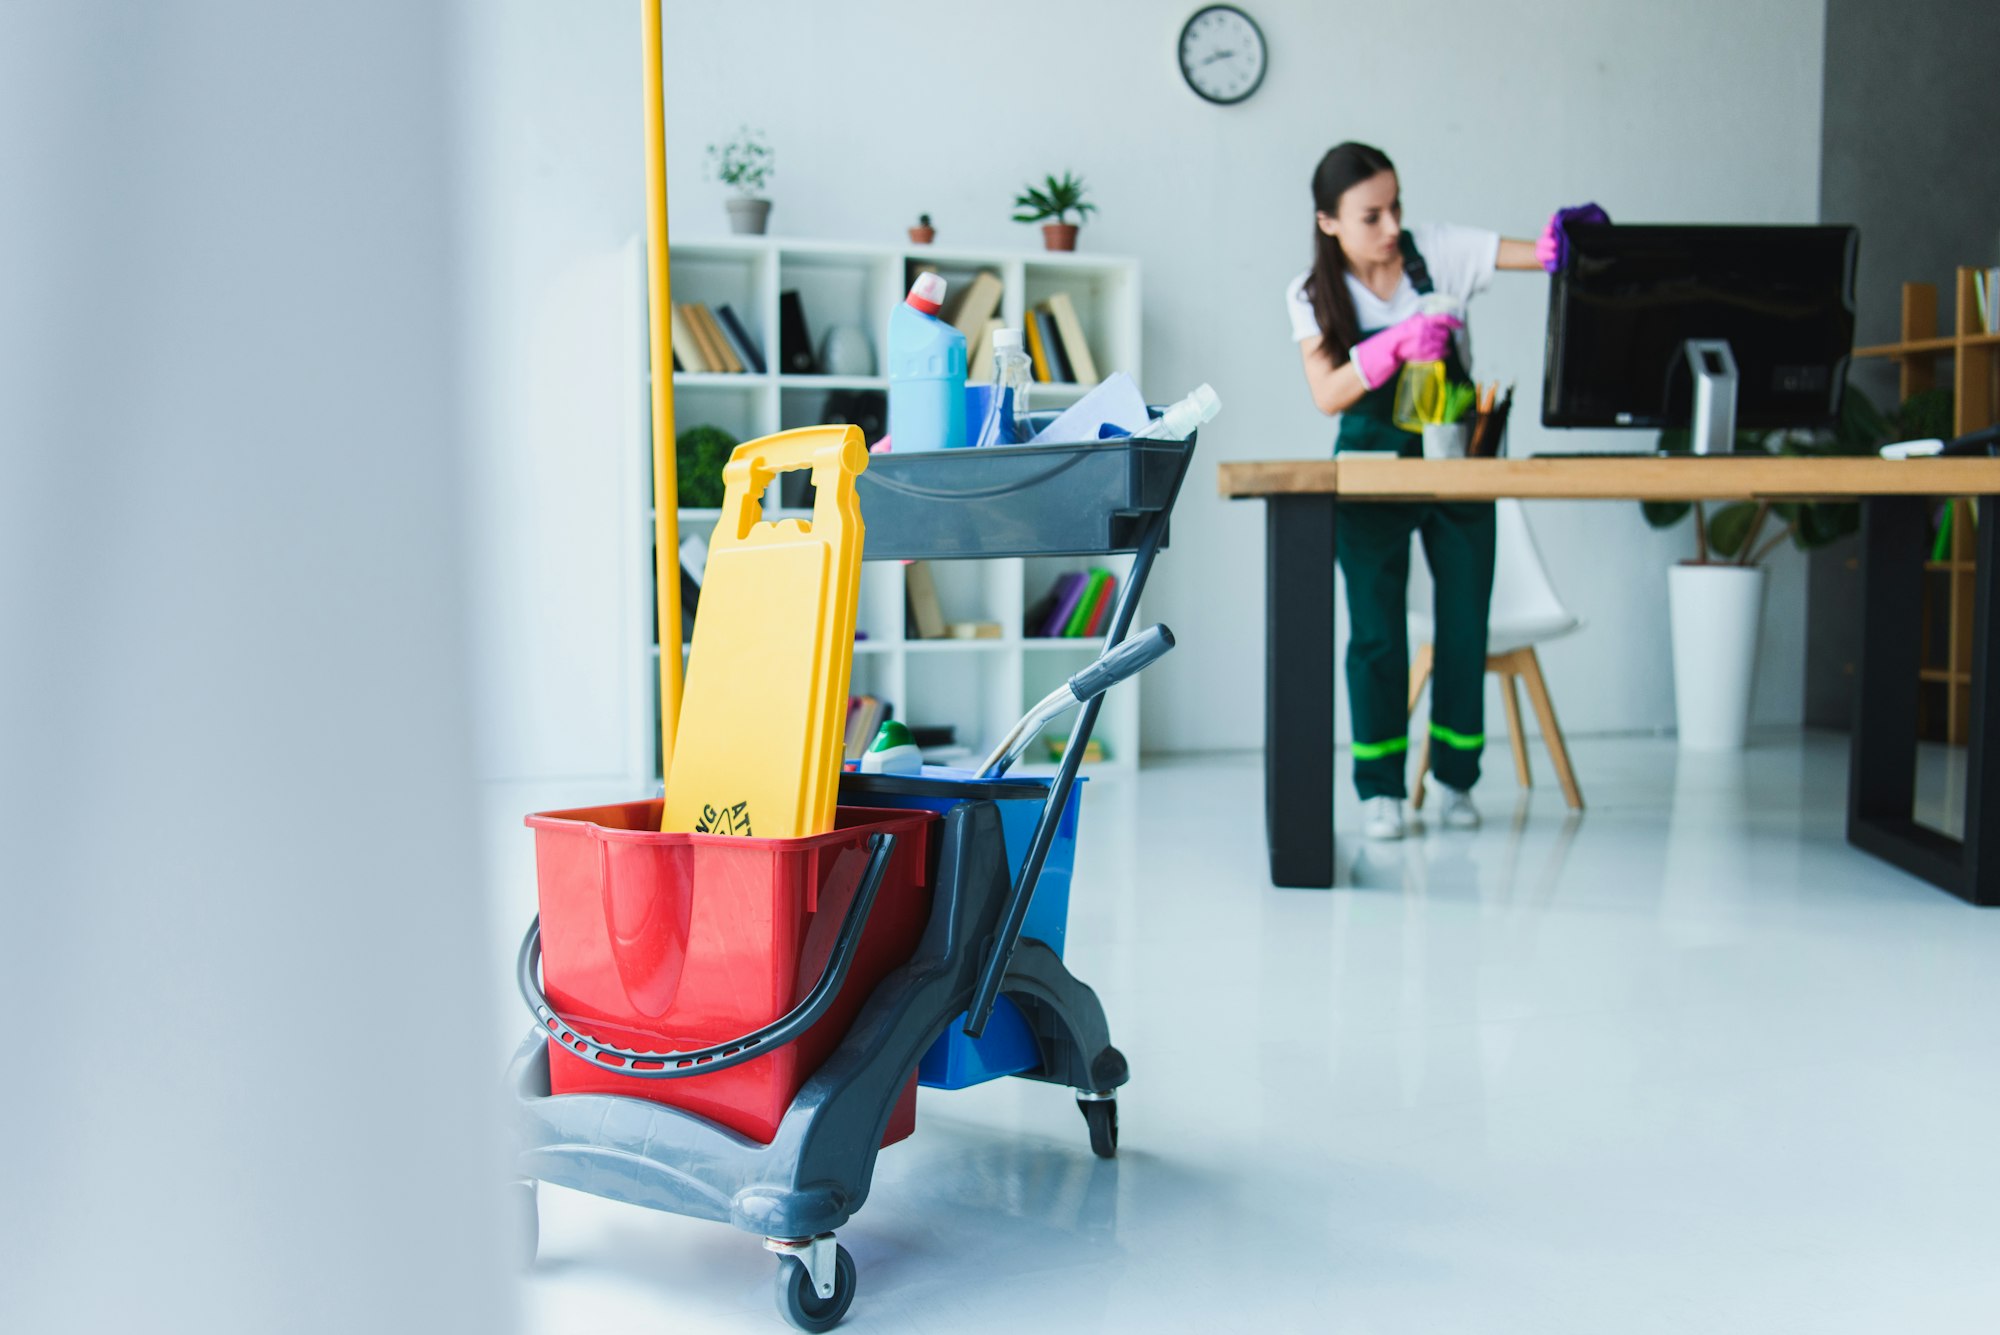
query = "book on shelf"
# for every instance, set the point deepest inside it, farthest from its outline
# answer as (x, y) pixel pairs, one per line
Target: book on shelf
(731, 364)
(705, 336)
(795, 349)
(979, 362)
(1093, 591)
(687, 348)
(1059, 369)
(1101, 612)
(1069, 332)
(973, 630)
(926, 613)
(746, 348)
(1038, 355)
(1093, 750)
(1069, 592)
(976, 304)
(865, 714)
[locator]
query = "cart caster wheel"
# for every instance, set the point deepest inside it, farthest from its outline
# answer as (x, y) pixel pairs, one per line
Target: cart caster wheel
(800, 1302)
(1102, 1116)
(527, 1223)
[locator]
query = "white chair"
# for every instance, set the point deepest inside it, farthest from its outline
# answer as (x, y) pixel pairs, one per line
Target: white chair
(1525, 612)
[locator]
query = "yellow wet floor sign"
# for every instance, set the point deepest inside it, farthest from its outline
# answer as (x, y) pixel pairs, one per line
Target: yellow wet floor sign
(764, 711)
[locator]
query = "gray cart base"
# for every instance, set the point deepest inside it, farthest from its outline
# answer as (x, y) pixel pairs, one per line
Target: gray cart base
(815, 1174)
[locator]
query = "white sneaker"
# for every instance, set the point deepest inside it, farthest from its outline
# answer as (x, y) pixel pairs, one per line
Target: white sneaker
(1457, 811)
(1382, 818)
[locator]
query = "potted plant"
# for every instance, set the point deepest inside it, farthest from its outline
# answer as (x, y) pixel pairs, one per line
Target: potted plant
(1715, 599)
(744, 164)
(1055, 199)
(923, 233)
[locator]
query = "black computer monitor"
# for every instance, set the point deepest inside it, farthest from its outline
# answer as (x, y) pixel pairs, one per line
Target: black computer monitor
(1621, 315)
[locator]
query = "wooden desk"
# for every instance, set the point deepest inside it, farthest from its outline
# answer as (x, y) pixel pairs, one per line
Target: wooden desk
(1299, 500)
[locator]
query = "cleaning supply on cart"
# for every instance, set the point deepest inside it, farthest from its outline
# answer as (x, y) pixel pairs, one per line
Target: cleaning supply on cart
(926, 372)
(1114, 400)
(1007, 409)
(759, 744)
(894, 752)
(1181, 419)
(1421, 389)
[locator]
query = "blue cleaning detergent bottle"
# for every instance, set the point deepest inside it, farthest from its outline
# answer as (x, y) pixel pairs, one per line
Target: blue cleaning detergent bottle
(926, 373)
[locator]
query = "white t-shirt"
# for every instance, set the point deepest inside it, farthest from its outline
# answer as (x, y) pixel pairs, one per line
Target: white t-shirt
(1461, 261)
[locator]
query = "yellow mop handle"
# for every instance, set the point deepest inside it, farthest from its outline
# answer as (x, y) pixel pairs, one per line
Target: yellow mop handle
(666, 486)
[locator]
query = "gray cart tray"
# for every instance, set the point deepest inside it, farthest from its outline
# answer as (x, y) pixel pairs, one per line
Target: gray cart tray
(1018, 500)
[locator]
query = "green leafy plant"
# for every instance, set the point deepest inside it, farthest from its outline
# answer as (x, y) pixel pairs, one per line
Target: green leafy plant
(699, 454)
(744, 163)
(1458, 401)
(1054, 200)
(1734, 533)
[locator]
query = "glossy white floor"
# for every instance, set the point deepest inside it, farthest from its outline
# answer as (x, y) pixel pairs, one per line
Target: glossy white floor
(1688, 1063)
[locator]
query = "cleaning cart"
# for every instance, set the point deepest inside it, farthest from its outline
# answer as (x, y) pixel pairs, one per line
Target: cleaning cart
(889, 944)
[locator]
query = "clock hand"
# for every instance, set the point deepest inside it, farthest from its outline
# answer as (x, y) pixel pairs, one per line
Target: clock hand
(1219, 55)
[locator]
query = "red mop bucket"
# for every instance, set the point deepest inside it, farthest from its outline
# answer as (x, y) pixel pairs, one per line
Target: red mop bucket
(673, 943)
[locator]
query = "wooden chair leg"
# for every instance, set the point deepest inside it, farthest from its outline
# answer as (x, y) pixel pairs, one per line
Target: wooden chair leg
(1423, 770)
(1517, 736)
(1420, 673)
(1545, 711)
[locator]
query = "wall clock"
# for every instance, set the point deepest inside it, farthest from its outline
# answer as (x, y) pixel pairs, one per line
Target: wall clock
(1222, 54)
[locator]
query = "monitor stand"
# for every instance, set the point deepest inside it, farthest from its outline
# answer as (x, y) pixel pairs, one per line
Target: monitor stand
(1713, 428)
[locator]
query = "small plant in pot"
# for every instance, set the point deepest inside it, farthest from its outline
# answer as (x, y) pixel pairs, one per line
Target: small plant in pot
(1715, 599)
(923, 233)
(744, 164)
(1055, 199)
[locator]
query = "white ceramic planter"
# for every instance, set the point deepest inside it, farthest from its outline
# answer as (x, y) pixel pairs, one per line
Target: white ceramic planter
(748, 216)
(1715, 612)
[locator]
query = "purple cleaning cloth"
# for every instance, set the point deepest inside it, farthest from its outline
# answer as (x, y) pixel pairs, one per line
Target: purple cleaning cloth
(1582, 213)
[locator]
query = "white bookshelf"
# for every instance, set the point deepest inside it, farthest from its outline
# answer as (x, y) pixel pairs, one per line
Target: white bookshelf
(977, 687)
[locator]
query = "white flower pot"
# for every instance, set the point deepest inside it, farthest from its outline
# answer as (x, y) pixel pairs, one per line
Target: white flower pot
(748, 215)
(1715, 612)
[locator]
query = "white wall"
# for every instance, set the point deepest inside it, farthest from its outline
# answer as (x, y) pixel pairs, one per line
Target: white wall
(553, 195)
(1698, 110)
(235, 781)
(1702, 109)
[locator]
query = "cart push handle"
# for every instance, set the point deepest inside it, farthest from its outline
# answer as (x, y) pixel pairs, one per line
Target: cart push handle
(1115, 665)
(719, 1056)
(993, 973)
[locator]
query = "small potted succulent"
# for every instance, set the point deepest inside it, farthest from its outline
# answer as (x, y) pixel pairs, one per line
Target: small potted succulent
(744, 164)
(1054, 200)
(923, 233)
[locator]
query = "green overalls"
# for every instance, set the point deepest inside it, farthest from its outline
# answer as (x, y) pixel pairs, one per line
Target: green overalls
(1372, 540)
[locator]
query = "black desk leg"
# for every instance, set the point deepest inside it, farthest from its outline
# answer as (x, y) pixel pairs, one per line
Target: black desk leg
(1882, 767)
(1982, 792)
(1298, 689)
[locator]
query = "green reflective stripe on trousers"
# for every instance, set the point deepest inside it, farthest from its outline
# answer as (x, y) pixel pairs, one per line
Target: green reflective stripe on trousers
(1376, 750)
(1462, 741)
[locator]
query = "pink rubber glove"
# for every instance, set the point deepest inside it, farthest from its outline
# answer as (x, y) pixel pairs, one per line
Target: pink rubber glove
(1421, 338)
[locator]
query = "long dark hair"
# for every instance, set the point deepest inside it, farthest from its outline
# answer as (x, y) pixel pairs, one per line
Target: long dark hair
(1345, 165)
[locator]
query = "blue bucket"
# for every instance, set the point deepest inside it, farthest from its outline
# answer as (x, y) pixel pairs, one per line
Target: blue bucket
(1008, 1046)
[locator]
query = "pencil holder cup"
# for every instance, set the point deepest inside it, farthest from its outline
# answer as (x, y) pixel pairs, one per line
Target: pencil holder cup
(1445, 440)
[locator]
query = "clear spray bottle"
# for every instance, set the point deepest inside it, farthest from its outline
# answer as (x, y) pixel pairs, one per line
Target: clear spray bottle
(1006, 421)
